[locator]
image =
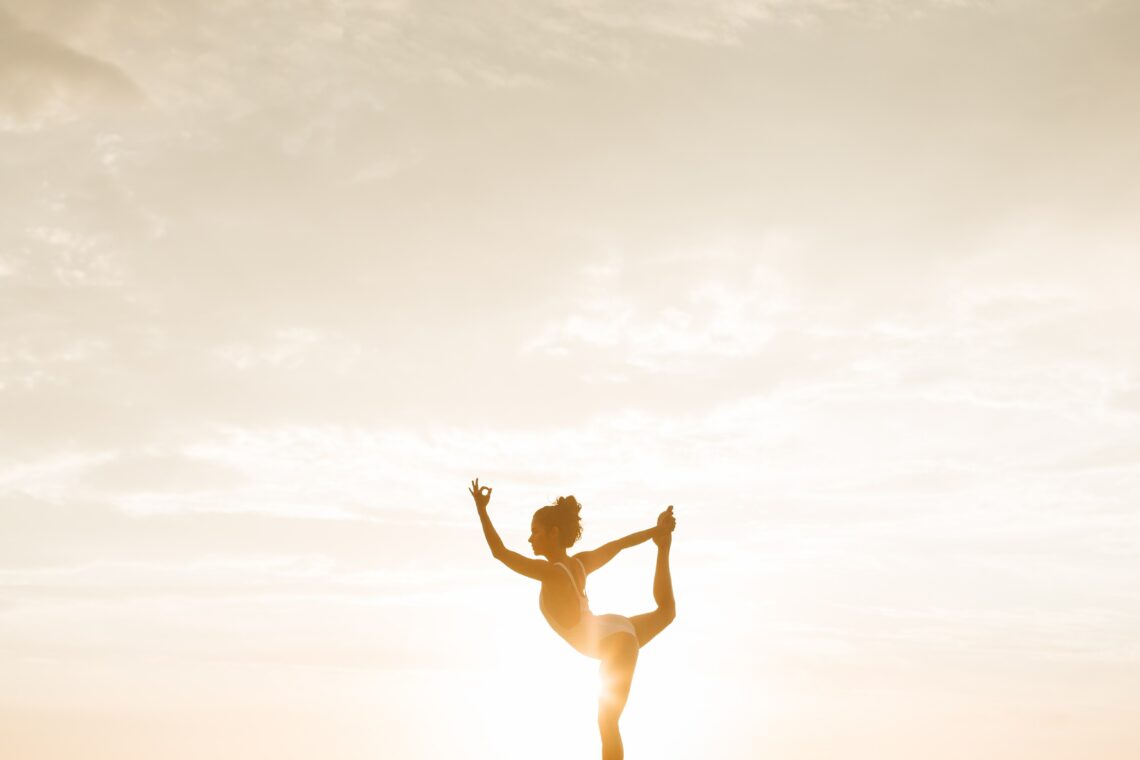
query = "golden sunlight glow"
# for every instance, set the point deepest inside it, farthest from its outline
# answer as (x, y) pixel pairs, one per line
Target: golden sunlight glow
(852, 285)
(538, 692)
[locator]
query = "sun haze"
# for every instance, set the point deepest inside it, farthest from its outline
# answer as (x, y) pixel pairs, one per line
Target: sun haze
(851, 284)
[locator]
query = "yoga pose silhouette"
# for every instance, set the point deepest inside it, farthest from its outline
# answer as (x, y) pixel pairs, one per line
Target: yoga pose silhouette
(612, 639)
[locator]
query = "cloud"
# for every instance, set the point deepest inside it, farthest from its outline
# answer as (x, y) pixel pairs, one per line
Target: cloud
(43, 82)
(688, 320)
(727, 22)
(295, 348)
(91, 527)
(223, 608)
(159, 472)
(247, 576)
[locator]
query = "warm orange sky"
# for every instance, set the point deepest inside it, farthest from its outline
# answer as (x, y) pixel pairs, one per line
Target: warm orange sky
(851, 284)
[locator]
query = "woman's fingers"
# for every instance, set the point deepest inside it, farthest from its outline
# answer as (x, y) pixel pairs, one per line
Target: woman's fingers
(479, 491)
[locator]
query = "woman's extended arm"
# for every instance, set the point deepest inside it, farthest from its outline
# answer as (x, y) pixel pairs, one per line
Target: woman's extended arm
(594, 559)
(531, 568)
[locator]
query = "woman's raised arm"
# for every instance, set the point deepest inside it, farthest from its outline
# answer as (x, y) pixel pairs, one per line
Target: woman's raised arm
(482, 496)
(531, 568)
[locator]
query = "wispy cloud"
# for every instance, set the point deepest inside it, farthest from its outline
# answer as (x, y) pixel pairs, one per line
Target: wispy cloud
(45, 82)
(684, 325)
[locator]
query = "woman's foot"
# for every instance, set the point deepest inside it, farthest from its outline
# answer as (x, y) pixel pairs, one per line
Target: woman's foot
(665, 525)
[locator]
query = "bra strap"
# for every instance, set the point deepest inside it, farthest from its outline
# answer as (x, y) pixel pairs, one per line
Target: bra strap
(573, 582)
(583, 568)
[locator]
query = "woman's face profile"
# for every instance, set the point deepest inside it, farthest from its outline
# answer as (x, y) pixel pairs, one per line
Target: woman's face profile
(540, 537)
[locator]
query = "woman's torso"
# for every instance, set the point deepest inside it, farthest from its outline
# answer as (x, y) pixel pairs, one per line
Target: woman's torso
(563, 599)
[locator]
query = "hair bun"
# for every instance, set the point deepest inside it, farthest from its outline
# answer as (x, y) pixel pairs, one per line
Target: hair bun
(568, 502)
(566, 515)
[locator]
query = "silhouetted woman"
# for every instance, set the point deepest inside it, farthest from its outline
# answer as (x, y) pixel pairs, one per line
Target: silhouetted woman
(613, 639)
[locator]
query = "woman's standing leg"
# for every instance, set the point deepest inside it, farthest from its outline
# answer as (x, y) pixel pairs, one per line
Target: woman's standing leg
(619, 658)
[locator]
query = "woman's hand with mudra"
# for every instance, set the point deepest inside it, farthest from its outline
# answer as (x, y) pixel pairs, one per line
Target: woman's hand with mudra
(663, 533)
(482, 495)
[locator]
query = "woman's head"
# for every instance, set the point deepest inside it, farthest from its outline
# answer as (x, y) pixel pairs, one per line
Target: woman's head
(556, 525)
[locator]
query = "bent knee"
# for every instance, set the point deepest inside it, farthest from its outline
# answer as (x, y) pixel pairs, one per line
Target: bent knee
(669, 613)
(609, 711)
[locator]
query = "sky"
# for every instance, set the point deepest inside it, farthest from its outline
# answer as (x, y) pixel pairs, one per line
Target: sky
(851, 284)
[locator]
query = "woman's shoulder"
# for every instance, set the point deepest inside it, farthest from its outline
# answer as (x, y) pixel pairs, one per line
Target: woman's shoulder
(558, 571)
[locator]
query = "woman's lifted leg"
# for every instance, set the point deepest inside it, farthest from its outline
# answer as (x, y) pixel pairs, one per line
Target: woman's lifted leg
(652, 623)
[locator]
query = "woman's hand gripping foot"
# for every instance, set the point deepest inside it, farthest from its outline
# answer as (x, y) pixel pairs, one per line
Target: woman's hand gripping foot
(665, 525)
